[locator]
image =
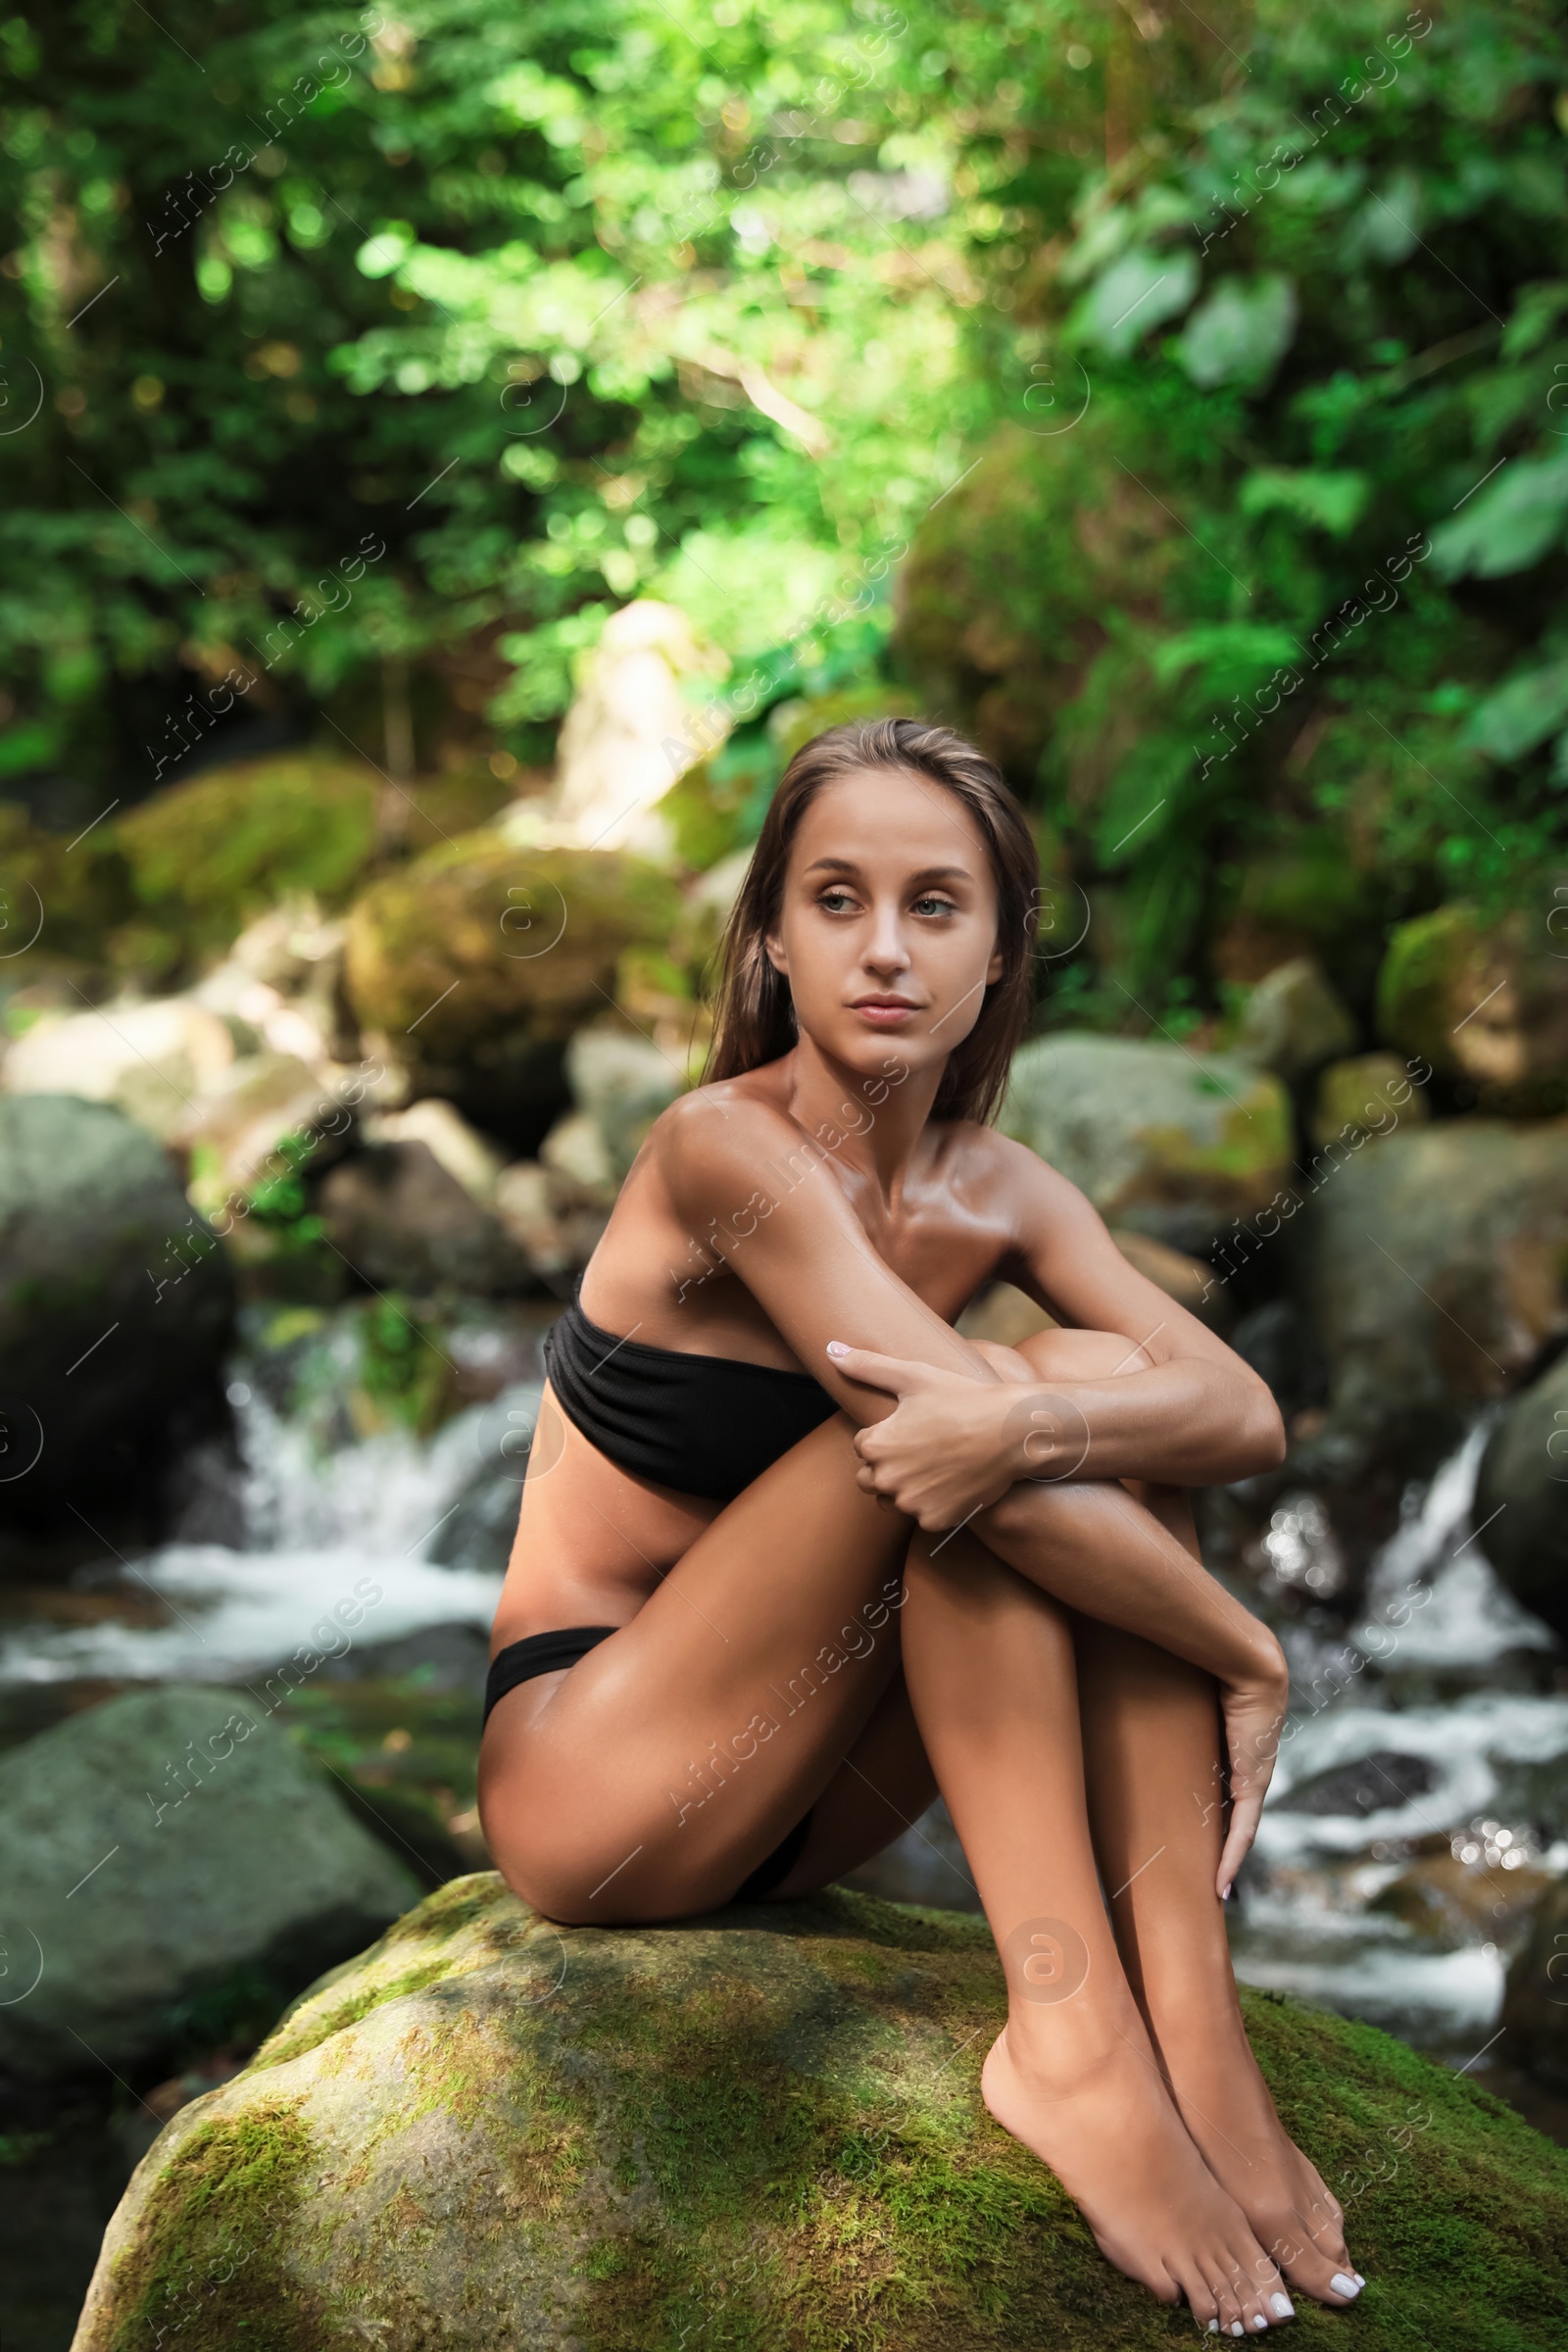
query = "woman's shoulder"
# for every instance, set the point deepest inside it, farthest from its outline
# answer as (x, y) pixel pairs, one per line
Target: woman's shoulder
(707, 1130)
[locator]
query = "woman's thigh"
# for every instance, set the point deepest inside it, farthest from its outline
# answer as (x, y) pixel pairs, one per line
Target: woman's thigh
(648, 1779)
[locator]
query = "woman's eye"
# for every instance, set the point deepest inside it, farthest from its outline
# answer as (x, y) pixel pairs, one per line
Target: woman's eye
(835, 901)
(934, 905)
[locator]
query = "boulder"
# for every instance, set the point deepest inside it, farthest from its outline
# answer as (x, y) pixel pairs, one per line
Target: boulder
(760, 2125)
(403, 1219)
(475, 964)
(630, 733)
(622, 1081)
(1437, 1266)
(1369, 1094)
(461, 1149)
(1535, 2002)
(555, 1220)
(1165, 1142)
(235, 1130)
(154, 1060)
(159, 1851)
(1487, 1002)
(210, 855)
(1522, 1496)
(115, 1303)
(1293, 1021)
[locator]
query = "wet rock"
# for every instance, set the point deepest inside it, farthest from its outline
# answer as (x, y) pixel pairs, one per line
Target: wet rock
(1534, 2004)
(115, 1304)
(1449, 1903)
(1436, 1267)
(157, 1849)
(497, 2132)
(1370, 1784)
(622, 1081)
(1522, 1497)
(152, 1060)
(1278, 1342)
(475, 965)
(461, 1149)
(1167, 1143)
(1370, 1094)
(400, 1219)
(554, 1219)
(1293, 1021)
(234, 1134)
(1482, 1001)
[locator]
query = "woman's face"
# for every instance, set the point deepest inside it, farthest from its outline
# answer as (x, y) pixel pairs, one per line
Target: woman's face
(887, 926)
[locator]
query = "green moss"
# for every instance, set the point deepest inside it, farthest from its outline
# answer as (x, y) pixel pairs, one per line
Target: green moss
(208, 2263)
(1416, 982)
(532, 935)
(762, 2128)
(207, 855)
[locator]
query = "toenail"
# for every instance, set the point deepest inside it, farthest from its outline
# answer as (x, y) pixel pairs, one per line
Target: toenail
(1282, 2307)
(1213, 2327)
(1345, 2286)
(1258, 2320)
(1237, 2328)
(1360, 2281)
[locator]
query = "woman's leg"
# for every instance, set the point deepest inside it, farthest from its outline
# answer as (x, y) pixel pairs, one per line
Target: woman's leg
(648, 1780)
(1153, 1753)
(990, 1666)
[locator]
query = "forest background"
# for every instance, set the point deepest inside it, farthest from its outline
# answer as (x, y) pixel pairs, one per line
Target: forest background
(1179, 402)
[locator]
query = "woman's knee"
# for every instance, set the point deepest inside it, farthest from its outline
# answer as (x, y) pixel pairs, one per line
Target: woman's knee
(1063, 1354)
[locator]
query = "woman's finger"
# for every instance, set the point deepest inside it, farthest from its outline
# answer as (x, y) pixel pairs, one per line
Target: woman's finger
(1246, 1814)
(890, 1372)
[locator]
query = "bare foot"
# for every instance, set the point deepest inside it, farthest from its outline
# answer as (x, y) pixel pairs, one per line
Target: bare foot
(1225, 2104)
(1105, 2126)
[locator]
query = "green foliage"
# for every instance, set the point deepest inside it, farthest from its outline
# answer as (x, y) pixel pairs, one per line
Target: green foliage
(361, 339)
(1321, 314)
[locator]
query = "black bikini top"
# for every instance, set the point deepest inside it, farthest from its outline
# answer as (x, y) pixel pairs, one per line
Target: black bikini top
(703, 1424)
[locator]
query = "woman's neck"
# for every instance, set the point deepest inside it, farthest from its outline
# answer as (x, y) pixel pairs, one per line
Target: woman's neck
(878, 1120)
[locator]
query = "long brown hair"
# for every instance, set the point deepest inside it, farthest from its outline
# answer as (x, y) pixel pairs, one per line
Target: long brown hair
(753, 1016)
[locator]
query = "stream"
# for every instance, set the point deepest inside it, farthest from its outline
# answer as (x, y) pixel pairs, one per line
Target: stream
(1420, 1797)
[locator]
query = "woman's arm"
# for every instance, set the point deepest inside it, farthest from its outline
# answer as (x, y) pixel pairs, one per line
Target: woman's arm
(753, 1191)
(1183, 1410)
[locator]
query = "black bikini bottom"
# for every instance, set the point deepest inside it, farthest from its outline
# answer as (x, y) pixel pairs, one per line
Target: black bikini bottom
(563, 1646)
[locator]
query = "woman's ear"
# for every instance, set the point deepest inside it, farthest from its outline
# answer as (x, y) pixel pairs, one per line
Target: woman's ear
(994, 970)
(775, 948)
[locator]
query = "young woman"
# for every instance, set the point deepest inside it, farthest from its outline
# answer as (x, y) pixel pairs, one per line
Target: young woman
(793, 1556)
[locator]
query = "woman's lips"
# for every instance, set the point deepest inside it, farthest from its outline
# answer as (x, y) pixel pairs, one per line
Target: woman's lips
(884, 1017)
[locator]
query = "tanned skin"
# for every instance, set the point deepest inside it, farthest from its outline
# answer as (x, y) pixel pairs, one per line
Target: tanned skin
(979, 1576)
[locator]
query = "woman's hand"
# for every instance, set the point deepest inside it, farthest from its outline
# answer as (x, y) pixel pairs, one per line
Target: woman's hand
(1255, 1710)
(954, 1442)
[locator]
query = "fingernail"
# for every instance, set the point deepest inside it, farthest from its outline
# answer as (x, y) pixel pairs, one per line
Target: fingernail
(1225, 1890)
(1282, 2307)
(837, 1347)
(1345, 2286)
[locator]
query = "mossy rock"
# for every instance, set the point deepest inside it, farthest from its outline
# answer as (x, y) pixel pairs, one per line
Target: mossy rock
(1168, 1142)
(481, 958)
(1487, 1002)
(208, 856)
(761, 2128)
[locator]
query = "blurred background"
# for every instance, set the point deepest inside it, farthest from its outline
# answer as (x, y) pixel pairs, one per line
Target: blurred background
(452, 455)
